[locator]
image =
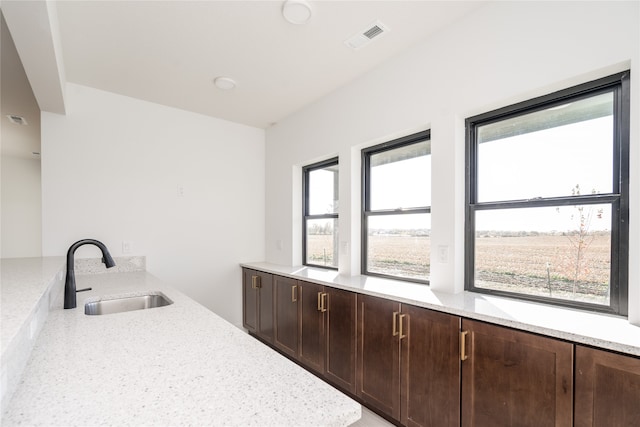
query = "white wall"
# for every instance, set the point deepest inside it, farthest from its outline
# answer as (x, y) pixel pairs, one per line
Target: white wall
(21, 207)
(503, 53)
(111, 169)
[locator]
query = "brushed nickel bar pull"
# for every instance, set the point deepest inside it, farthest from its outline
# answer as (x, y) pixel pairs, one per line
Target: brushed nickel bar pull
(319, 301)
(323, 302)
(463, 344)
(401, 318)
(395, 323)
(293, 293)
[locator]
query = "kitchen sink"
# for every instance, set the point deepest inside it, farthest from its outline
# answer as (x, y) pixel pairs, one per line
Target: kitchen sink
(129, 303)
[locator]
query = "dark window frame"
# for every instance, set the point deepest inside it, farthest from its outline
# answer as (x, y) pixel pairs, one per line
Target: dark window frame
(366, 199)
(334, 161)
(618, 84)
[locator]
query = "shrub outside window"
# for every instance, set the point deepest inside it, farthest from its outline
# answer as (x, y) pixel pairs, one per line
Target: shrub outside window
(396, 220)
(547, 198)
(320, 228)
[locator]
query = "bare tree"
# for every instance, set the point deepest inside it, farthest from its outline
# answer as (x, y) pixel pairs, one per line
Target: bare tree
(581, 238)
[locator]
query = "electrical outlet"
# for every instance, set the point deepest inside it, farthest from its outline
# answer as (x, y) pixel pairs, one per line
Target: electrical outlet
(127, 246)
(443, 254)
(180, 190)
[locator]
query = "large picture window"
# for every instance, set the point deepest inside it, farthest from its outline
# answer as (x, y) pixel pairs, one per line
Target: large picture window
(396, 221)
(547, 207)
(320, 212)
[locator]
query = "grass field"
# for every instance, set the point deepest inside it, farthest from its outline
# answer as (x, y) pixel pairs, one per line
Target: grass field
(545, 265)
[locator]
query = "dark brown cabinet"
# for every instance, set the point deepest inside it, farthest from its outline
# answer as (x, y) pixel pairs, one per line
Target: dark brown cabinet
(312, 326)
(378, 372)
(339, 309)
(286, 315)
(430, 368)
(426, 368)
(327, 339)
(607, 389)
(514, 378)
(257, 300)
(408, 362)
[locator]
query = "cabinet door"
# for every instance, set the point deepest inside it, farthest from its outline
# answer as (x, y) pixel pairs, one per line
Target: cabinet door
(514, 378)
(265, 306)
(312, 326)
(607, 389)
(430, 368)
(249, 301)
(286, 315)
(378, 353)
(341, 338)
(257, 303)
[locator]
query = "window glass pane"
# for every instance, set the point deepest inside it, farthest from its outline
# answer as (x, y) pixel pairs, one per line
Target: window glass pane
(323, 190)
(400, 178)
(399, 245)
(560, 151)
(322, 242)
(559, 252)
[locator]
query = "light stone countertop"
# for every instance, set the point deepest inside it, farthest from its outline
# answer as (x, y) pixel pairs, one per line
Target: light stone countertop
(24, 282)
(174, 365)
(594, 329)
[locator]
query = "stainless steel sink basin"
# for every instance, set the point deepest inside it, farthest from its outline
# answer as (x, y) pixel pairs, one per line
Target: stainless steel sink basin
(130, 303)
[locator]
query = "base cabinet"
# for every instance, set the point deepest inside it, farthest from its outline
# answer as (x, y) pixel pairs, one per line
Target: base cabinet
(430, 369)
(340, 338)
(378, 366)
(514, 378)
(408, 363)
(312, 326)
(286, 295)
(257, 302)
(607, 389)
(327, 326)
(426, 368)
(316, 326)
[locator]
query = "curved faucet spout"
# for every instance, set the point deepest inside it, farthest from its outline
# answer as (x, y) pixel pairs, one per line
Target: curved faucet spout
(70, 281)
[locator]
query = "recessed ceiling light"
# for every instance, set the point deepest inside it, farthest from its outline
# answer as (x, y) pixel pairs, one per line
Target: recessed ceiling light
(297, 11)
(224, 83)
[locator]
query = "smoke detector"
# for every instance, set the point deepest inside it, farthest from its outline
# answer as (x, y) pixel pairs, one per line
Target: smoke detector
(374, 30)
(17, 120)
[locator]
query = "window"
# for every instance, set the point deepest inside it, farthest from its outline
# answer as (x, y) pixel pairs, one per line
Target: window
(396, 220)
(320, 213)
(547, 198)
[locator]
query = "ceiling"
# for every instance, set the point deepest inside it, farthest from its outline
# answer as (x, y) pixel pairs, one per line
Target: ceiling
(169, 52)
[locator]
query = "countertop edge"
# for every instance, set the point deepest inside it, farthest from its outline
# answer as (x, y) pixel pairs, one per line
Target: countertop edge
(17, 347)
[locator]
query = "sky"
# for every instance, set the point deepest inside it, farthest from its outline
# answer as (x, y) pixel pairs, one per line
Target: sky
(545, 163)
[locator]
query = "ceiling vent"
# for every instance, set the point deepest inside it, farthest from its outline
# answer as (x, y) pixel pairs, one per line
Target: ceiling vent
(375, 30)
(17, 120)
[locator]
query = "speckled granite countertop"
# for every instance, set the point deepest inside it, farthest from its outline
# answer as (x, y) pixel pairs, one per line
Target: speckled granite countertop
(598, 330)
(24, 282)
(174, 365)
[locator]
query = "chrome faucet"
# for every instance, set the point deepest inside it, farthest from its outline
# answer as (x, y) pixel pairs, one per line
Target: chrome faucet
(70, 281)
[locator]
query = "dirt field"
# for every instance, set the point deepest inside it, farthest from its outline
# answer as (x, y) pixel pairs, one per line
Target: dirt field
(538, 265)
